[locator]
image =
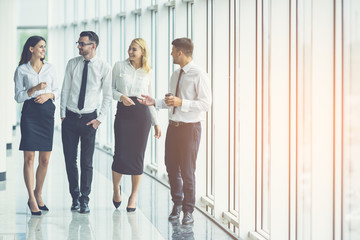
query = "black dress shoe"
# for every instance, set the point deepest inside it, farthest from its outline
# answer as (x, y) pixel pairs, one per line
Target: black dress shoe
(75, 205)
(44, 208)
(128, 209)
(84, 208)
(175, 213)
(117, 204)
(188, 218)
(38, 213)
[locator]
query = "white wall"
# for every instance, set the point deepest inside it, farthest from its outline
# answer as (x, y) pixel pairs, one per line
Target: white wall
(32, 13)
(7, 66)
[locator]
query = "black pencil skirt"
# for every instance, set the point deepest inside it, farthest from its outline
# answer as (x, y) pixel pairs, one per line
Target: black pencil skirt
(37, 126)
(131, 127)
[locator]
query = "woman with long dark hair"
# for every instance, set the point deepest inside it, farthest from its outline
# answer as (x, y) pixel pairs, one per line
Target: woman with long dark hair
(36, 85)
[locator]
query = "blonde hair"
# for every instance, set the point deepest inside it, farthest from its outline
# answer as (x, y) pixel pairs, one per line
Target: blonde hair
(145, 50)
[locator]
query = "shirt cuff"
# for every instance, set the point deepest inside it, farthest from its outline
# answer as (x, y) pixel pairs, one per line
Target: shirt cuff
(100, 118)
(120, 94)
(154, 122)
(56, 95)
(185, 107)
(158, 103)
(62, 113)
(25, 96)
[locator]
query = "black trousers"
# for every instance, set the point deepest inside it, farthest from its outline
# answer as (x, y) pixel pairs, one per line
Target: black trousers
(74, 129)
(181, 149)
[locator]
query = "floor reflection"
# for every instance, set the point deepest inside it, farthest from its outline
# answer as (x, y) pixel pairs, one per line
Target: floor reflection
(79, 227)
(34, 228)
(180, 231)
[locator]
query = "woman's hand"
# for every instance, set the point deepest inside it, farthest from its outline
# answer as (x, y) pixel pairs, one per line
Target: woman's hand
(40, 86)
(157, 131)
(126, 100)
(146, 100)
(43, 98)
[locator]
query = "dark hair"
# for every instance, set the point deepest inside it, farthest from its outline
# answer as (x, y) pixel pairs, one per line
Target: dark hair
(185, 45)
(30, 42)
(93, 37)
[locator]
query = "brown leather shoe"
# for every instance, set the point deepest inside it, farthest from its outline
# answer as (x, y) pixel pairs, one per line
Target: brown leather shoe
(188, 218)
(175, 213)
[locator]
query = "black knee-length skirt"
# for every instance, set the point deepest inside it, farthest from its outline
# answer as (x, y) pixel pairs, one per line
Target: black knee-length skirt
(131, 127)
(37, 126)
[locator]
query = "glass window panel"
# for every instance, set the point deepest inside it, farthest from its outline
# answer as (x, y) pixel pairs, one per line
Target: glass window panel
(351, 141)
(304, 119)
(265, 158)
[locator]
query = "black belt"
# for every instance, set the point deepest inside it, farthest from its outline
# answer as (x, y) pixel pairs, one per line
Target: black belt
(177, 124)
(79, 115)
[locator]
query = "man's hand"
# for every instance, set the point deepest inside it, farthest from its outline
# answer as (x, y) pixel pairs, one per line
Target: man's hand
(173, 101)
(95, 123)
(157, 131)
(147, 100)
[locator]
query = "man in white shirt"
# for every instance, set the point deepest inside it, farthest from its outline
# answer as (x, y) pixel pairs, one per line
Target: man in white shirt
(188, 100)
(85, 78)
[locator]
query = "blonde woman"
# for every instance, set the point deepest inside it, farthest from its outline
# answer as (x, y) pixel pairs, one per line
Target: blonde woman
(130, 79)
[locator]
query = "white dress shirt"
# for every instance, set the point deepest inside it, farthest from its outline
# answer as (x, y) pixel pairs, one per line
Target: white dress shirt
(98, 78)
(194, 90)
(25, 78)
(131, 82)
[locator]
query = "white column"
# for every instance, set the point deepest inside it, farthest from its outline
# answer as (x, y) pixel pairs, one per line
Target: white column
(7, 66)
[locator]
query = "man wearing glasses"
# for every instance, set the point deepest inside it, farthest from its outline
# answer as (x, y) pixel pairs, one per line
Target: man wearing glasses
(86, 76)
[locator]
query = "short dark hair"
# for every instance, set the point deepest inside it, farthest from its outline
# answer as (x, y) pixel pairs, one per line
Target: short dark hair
(185, 45)
(93, 37)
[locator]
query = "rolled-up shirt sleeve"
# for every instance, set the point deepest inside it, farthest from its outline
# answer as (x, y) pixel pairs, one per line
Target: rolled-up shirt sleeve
(21, 94)
(203, 101)
(160, 103)
(153, 112)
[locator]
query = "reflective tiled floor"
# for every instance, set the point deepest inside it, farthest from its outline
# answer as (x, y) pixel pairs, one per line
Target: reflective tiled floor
(148, 222)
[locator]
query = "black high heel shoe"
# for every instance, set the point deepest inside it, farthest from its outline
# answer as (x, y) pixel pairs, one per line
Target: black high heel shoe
(117, 204)
(128, 209)
(34, 213)
(44, 208)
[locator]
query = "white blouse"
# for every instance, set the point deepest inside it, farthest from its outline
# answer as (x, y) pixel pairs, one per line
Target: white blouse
(131, 82)
(25, 78)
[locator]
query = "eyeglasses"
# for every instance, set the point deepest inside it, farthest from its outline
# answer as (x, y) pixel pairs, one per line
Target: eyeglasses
(81, 44)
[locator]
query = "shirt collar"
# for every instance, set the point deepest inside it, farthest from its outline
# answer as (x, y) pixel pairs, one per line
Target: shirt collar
(132, 67)
(92, 59)
(187, 67)
(29, 64)
(128, 61)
